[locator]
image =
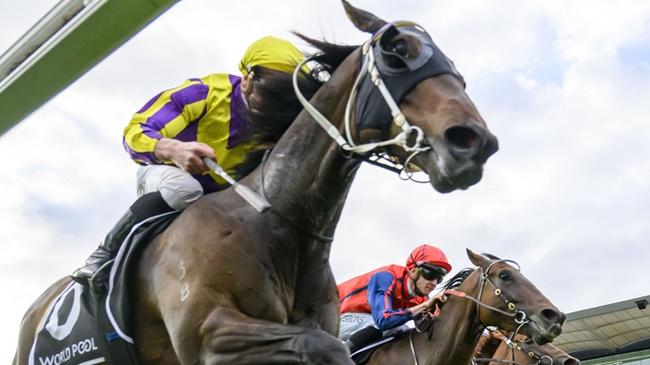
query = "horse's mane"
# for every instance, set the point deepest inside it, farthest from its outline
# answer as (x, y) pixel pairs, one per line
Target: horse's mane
(277, 106)
(424, 322)
(331, 55)
(456, 280)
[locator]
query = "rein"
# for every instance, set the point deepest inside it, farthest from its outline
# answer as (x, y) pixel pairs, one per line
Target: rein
(478, 303)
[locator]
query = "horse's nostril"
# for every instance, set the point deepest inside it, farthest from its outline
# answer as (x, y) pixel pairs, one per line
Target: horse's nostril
(462, 137)
(545, 361)
(552, 315)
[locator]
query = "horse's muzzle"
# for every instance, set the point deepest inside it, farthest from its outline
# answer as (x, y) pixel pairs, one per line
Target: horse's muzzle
(456, 160)
(548, 325)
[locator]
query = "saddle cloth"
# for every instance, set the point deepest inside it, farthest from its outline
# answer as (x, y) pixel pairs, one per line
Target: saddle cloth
(362, 355)
(82, 327)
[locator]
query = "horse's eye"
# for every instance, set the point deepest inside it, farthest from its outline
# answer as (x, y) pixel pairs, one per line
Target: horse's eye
(401, 48)
(505, 275)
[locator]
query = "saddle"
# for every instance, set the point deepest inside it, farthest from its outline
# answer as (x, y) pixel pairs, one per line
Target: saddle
(423, 323)
(87, 326)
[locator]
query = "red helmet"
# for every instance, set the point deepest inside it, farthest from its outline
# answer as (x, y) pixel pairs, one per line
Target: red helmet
(428, 254)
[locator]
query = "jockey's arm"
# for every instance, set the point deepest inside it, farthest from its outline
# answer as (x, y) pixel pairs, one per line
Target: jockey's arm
(149, 136)
(380, 301)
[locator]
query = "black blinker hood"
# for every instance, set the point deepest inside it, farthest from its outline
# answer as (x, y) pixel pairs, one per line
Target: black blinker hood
(371, 110)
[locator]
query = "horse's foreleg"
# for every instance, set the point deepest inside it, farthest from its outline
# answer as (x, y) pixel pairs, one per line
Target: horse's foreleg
(229, 337)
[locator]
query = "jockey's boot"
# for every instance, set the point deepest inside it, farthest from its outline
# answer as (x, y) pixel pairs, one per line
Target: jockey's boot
(363, 337)
(107, 249)
(144, 207)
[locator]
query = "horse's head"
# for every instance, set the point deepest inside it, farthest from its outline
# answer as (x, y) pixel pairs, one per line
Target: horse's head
(511, 302)
(547, 354)
(409, 89)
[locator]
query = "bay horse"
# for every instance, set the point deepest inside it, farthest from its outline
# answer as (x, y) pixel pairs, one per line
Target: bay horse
(224, 284)
(493, 294)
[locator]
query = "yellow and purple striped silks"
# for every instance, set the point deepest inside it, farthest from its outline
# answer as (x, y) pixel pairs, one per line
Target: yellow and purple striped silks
(206, 109)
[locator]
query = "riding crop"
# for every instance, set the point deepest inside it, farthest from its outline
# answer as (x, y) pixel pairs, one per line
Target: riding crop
(259, 203)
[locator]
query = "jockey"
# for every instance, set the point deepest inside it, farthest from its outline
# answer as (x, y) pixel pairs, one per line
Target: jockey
(382, 301)
(204, 117)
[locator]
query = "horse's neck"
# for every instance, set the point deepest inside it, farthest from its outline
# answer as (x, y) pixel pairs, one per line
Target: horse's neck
(306, 176)
(456, 332)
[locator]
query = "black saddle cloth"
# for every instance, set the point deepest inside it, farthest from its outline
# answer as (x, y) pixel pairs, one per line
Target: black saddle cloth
(362, 356)
(83, 326)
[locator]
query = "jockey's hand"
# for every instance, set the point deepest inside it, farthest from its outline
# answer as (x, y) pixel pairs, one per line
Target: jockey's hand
(186, 155)
(438, 298)
(430, 303)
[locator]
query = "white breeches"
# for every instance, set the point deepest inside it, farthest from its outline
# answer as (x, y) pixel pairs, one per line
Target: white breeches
(353, 322)
(177, 187)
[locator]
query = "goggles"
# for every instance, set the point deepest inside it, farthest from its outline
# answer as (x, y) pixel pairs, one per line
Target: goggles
(430, 273)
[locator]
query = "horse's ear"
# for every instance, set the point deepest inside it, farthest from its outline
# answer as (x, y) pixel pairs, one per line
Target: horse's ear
(362, 19)
(477, 259)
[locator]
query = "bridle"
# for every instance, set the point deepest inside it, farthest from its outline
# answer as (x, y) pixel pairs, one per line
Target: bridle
(515, 346)
(410, 138)
(520, 317)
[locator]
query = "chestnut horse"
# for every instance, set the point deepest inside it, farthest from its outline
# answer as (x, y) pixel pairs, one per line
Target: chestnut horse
(493, 294)
(528, 352)
(224, 284)
(501, 349)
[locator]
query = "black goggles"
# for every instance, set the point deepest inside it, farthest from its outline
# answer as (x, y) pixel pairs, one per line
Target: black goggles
(430, 273)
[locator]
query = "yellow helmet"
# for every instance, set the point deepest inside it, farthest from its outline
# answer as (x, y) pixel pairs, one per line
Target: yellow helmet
(271, 52)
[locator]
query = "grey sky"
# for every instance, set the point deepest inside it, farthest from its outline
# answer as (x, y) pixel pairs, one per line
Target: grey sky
(565, 86)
